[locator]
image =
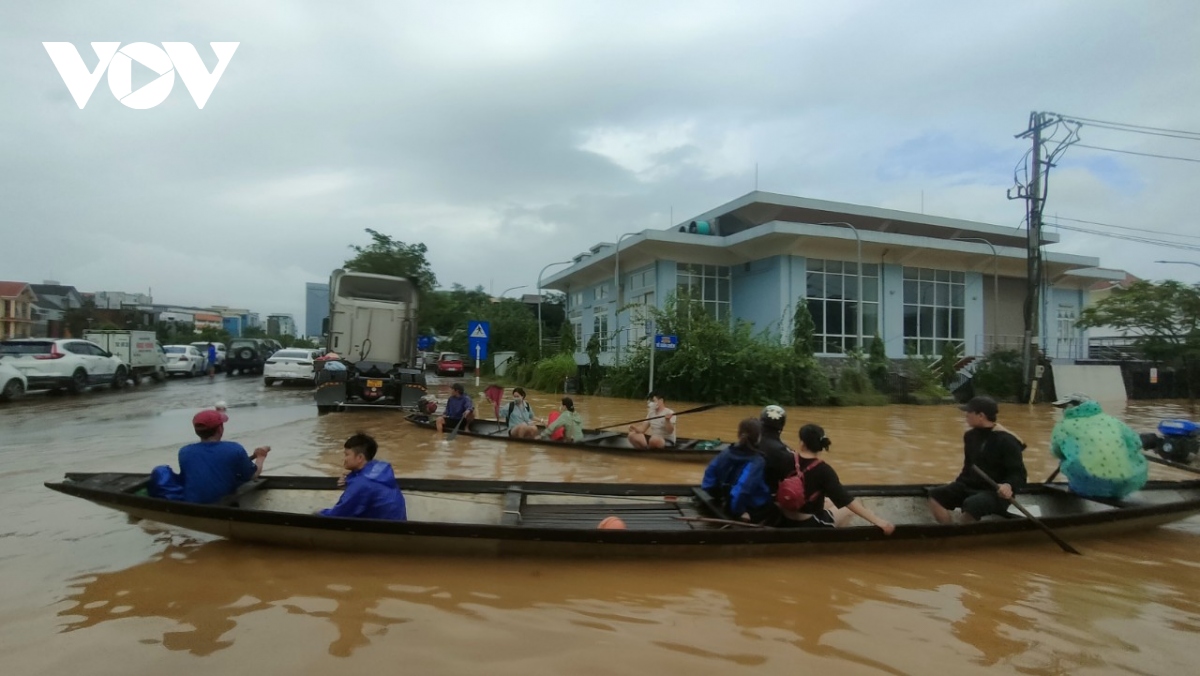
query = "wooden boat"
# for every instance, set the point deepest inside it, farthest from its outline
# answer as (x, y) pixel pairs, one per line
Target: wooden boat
(604, 441)
(501, 518)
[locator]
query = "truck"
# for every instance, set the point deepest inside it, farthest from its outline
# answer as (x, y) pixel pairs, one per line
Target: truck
(372, 328)
(139, 349)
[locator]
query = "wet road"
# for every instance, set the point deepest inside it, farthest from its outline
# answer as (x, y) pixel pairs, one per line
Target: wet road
(85, 591)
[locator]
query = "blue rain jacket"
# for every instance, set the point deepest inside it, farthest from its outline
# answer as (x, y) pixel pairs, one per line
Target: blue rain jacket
(736, 478)
(371, 493)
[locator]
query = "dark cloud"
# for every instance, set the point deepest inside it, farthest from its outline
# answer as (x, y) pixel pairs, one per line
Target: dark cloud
(509, 135)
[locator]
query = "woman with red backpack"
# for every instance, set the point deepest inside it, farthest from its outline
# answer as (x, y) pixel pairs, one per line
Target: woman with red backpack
(801, 497)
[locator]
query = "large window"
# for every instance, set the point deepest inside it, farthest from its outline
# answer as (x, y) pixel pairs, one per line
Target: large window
(708, 284)
(833, 297)
(933, 309)
(576, 319)
(1067, 333)
(639, 317)
(599, 328)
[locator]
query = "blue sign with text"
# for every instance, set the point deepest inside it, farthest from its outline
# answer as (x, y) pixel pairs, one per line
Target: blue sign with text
(424, 343)
(662, 342)
(477, 339)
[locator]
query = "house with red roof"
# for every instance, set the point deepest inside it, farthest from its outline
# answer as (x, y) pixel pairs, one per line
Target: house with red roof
(16, 309)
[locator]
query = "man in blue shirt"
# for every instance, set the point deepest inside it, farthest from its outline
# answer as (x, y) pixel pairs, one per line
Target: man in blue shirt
(459, 409)
(371, 489)
(212, 469)
(212, 360)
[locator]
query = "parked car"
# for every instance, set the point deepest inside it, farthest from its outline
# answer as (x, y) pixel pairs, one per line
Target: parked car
(290, 364)
(202, 346)
(450, 364)
(58, 363)
(185, 360)
(248, 355)
(12, 382)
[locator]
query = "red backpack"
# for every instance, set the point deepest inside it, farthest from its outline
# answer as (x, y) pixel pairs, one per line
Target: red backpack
(792, 495)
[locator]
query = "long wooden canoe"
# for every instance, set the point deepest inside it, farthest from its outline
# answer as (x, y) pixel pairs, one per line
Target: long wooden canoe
(603, 441)
(501, 518)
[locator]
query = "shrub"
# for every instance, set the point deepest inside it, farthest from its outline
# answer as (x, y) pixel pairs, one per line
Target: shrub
(549, 374)
(1000, 375)
(854, 387)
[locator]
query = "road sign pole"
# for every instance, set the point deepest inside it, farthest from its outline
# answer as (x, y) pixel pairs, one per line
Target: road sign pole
(653, 349)
(476, 366)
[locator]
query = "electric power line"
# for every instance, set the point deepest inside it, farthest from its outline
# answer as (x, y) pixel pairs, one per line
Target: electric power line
(1133, 127)
(1127, 227)
(1134, 238)
(1132, 152)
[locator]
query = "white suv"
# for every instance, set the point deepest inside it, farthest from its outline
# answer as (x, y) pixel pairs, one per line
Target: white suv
(55, 363)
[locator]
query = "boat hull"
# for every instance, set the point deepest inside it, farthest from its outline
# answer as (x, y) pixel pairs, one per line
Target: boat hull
(538, 519)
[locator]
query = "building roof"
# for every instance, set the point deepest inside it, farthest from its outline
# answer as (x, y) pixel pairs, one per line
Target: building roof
(1123, 283)
(53, 289)
(14, 289)
(47, 303)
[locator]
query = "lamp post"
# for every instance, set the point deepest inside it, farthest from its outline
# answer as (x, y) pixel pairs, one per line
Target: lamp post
(539, 292)
(995, 287)
(617, 291)
(858, 242)
(511, 288)
(1179, 263)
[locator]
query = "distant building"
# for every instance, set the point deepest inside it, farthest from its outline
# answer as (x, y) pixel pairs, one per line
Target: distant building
(16, 309)
(281, 325)
(233, 325)
(316, 308)
(115, 300)
(53, 301)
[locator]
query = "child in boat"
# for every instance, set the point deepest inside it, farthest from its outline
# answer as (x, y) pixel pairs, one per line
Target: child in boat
(821, 483)
(735, 477)
(569, 420)
(371, 489)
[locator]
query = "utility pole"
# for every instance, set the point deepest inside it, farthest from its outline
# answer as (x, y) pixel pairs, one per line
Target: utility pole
(1034, 194)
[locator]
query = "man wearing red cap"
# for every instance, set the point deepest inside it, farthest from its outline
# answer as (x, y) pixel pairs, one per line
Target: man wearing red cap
(212, 468)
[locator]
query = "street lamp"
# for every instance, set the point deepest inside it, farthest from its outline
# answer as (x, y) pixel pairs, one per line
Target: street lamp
(995, 287)
(513, 288)
(861, 295)
(539, 292)
(617, 291)
(1180, 263)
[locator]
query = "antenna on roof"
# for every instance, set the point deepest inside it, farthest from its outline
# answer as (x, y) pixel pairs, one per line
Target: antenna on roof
(756, 177)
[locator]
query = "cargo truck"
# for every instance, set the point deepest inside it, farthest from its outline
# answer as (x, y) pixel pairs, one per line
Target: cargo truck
(139, 349)
(372, 327)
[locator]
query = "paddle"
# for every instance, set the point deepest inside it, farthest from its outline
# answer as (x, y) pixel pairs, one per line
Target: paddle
(1053, 475)
(1172, 464)
(723, 522)
(1066, 547)
(698, 409)
(454, 433)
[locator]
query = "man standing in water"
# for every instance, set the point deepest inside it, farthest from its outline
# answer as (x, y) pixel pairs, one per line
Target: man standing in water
(994, 450)
(659, 430)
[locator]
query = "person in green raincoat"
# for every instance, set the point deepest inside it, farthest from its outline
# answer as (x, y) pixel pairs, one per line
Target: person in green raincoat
(1100, 455)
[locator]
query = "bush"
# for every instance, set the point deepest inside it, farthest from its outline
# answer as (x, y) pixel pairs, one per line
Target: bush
(854, 387)
(549, 374)
(1000, 375)
(719, 363)
(878, 365)
(922, 371)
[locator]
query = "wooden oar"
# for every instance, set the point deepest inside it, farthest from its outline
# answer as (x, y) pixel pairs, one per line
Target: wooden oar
(698, 409)
(1172, 464)
(454, 434)
(1066, 547)
(1054, 474)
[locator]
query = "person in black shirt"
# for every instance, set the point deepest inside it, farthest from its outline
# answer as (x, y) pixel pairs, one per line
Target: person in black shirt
(821, 483)
(997, 452)
(779, 459)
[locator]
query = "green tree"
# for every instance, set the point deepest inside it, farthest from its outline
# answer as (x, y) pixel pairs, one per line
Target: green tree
(387, 256)
(1163, 319)
(878, 364)
(803, 331)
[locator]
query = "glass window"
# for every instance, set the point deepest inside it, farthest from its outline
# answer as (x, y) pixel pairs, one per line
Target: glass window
(836, 319)
(933, 313)
(600, 329)
(710, 285)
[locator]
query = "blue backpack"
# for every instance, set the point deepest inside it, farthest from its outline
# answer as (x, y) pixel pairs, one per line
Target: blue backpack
(165, 483)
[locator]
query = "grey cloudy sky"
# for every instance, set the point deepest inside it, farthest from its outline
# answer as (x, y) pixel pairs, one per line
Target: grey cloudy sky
(508, 135)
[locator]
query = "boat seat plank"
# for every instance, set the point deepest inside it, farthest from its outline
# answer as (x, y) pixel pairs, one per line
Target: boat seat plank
(514, 501)
(641, 516)
(232, 499)
(119, 483)
(709, 502)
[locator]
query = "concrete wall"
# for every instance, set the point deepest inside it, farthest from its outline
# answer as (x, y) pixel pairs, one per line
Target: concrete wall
(757, 292)
(891, 309)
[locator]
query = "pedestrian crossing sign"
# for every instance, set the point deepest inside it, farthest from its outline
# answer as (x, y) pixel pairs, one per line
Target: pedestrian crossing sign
(479, 332)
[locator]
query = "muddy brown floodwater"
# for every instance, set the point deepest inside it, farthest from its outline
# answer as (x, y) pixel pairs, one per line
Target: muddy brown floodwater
(85, 591)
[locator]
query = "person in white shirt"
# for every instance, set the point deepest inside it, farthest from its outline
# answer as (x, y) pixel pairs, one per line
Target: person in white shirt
(659, 430)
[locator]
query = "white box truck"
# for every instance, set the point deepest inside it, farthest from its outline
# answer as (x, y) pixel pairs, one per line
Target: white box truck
(139, 349)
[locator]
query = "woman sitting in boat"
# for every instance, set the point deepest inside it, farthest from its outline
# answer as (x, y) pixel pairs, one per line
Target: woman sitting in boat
(568, 420)
(521, 423)
(735, 477)
(802, 498)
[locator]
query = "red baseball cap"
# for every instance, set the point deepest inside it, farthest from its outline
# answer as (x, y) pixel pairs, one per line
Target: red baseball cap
(209, 420)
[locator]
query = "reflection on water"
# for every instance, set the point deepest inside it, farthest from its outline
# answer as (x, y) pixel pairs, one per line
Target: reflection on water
(135, 599)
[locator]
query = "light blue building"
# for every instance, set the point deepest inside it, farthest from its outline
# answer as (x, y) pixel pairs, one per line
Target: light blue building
(316, 308)
(924, 280)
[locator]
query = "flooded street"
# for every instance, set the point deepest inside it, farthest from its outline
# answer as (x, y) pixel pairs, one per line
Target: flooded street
(87, 591)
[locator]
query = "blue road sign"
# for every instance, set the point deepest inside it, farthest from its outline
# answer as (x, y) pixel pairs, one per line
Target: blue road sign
(424, 343)
(477, 340)
(662, 342)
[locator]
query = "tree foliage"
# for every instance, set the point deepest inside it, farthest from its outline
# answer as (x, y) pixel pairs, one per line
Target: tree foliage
(1164, 318)
(720, 362)
(387, 256)
(512, 324)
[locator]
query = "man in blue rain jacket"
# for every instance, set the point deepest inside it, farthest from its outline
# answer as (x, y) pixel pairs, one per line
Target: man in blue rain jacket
(371, 489)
